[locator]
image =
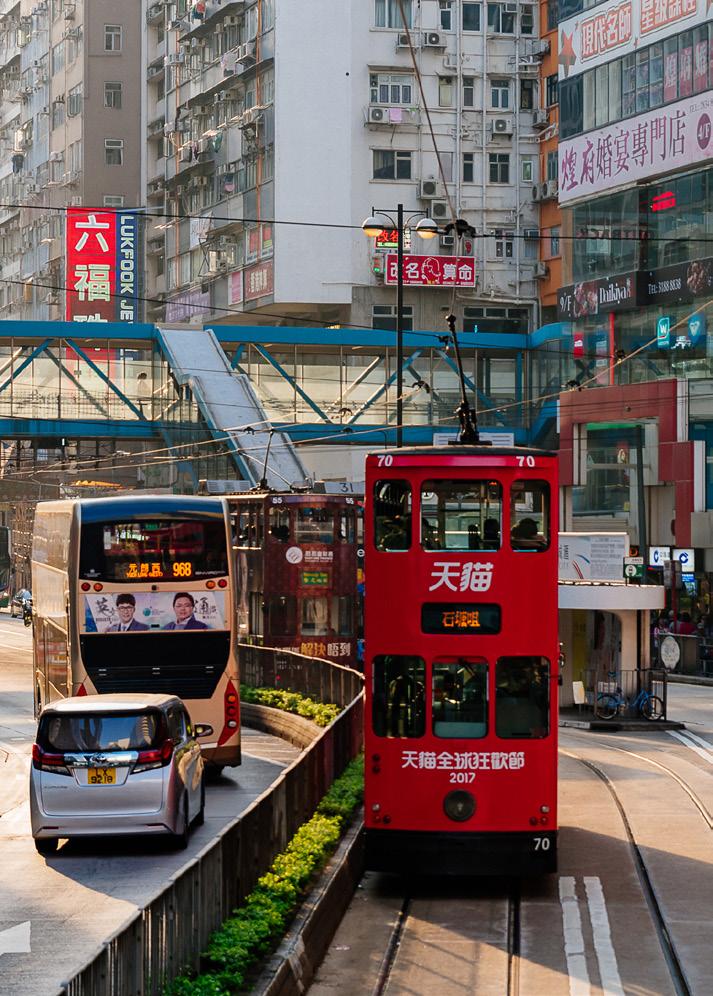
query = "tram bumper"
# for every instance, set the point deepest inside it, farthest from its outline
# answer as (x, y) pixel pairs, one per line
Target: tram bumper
(409, 852)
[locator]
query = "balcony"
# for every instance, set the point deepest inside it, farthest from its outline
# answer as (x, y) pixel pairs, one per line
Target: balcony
(154, 14)
(155, 127)
(154, 70)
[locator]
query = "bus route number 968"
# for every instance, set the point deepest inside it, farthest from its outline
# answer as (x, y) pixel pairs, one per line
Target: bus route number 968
(182, 569)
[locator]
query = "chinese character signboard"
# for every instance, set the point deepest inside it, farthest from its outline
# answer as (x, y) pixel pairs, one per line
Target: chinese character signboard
(104, 264)
(433, 271)
(621, 26)
(258, 281)
(657, 142)
(188, 305)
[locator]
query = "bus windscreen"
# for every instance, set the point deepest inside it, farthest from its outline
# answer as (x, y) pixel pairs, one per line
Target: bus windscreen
(153, 550)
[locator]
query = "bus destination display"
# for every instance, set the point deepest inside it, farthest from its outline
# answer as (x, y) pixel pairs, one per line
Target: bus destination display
(154, 569)
(460, 618)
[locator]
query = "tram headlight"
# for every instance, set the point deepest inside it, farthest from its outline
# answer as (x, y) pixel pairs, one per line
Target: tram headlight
(459, 806)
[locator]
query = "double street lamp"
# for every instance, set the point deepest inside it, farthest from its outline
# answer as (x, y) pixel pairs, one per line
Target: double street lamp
(425, 229)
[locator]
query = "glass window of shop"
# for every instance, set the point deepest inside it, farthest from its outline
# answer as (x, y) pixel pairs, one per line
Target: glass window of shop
(606, 236)
(608, 490)
(640, 81)
(679, 213)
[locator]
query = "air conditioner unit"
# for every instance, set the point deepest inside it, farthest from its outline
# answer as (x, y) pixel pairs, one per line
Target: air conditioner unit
(175, 59)
(378, 115)
(402, 41)
(552, 188)
(540, 118)
(186, 153)
(245, 52)
(510, 8)
(448, 241)
(541, 269)
(531, 233)
(536, 192)
(439, 210)
(434, 39)
(540, 46)
(76, 202)
(231, 21)
(202, 145)
(202, 181)
(429, 189)
(502, 126)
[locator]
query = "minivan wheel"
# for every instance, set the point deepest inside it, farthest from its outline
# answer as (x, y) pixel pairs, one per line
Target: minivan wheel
(46, 845)
(200, 818)
(181, 838)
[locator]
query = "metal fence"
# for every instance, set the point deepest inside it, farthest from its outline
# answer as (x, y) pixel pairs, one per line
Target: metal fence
(625, 685)
(158, 942)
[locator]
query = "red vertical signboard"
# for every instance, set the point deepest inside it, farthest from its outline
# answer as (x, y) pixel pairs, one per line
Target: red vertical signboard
(91, 265)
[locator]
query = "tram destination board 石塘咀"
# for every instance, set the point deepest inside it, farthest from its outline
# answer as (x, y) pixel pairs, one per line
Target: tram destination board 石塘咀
(460, 618)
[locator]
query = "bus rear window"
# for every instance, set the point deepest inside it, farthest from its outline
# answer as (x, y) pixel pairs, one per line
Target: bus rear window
(153, 550)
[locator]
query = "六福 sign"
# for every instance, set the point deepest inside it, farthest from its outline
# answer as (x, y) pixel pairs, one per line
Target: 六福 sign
(104, 266)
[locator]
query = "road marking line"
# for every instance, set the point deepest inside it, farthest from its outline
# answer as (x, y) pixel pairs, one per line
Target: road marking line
(573, 939)
(15, 940)
(601, 930)
(699, 740)
(707, 755)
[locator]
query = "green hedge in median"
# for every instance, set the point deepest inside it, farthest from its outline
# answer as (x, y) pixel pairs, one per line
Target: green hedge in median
(320, 713)
(254, 929)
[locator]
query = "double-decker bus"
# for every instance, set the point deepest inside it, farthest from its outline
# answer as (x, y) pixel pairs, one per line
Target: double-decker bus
(462, 660)
(299, 572)
(135, 593)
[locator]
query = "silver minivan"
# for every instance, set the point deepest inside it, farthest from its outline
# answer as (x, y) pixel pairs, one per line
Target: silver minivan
(116, 764)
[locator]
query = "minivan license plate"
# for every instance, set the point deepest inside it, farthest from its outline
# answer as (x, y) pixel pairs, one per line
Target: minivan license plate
(101, 776)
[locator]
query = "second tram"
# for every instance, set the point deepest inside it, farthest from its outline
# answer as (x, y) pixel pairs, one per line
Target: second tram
(135, 594)
(461, 661)
(299, 572)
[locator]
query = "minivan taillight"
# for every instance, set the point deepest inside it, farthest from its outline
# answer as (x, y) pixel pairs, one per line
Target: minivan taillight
(157, 758)
(43, 761)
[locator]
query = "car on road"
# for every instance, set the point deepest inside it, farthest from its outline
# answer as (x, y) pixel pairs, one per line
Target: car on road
(104, 765)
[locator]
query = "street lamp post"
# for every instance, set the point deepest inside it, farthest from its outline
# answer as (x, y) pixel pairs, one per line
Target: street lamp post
(426, 229)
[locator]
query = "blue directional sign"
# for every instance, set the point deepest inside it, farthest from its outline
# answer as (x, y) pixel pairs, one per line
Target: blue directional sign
(697, 328)
(663, 332)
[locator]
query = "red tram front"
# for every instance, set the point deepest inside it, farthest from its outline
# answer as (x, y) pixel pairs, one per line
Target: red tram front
(461, 660)
(299, 572)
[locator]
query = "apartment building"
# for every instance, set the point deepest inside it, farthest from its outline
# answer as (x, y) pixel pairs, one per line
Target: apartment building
(545, 193)
(274, 128)
(70, 134)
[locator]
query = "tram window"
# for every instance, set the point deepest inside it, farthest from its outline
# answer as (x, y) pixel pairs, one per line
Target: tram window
(281, 613)
(530, 515)
(342, 615)
(392, 515)
(256, 611)
(522, 697)
(345, 531)
(279, 524)
(249, 526)
(315, 616)
(314, 525)
(399, 701)
(360, 524)
(460, 699)
(461, 515)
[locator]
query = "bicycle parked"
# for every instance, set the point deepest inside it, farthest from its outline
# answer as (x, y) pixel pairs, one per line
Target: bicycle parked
(610, 704)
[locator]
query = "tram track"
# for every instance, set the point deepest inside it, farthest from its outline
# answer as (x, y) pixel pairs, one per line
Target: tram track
(673, 961)
(514, 900)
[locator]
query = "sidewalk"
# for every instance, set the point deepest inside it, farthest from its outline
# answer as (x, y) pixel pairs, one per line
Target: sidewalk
(690, 679)
(571, 716)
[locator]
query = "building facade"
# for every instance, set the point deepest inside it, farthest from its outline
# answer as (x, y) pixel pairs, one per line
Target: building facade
(266, 111)
(70, 135)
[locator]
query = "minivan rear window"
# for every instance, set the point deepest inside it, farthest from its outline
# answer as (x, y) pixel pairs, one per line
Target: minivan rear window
(100, 731)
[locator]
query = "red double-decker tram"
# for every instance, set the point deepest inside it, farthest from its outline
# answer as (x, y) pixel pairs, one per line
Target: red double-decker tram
(299, 571)
(461, 661)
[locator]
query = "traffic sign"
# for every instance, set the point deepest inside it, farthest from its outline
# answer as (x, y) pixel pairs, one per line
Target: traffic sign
(634, 568)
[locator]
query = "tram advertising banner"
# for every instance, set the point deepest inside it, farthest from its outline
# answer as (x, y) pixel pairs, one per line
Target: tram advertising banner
(103, 251)
(154, 611)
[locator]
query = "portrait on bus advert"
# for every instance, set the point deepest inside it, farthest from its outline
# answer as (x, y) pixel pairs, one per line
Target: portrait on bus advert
(155, 611)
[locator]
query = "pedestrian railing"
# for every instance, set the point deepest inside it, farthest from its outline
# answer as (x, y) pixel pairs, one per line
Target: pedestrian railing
(168, 935)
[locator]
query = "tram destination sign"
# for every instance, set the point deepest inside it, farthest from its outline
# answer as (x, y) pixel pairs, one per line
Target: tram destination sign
(460, 618)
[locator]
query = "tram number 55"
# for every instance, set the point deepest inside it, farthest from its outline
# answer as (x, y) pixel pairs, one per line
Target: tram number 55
(525, 461)
(542, 843)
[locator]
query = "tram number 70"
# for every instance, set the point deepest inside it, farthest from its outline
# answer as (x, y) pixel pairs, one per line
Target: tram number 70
(542, 843)
(525, 461)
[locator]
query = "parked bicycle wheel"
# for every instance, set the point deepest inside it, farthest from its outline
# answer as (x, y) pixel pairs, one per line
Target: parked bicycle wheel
(653, 708)
(607, 706)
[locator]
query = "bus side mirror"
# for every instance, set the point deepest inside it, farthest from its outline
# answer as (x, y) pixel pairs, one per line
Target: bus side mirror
(202, 730)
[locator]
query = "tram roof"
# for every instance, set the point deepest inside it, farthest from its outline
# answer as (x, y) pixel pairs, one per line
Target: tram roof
(462, 450)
